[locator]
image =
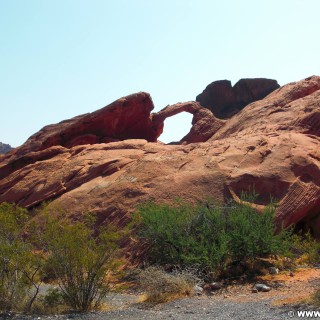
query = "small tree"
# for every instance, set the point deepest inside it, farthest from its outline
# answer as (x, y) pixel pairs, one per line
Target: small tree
(19, 265)
(80, 260)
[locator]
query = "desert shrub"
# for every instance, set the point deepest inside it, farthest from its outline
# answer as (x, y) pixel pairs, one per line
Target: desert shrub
(315, 299)
(53, 298)
(19, 265)
(253, 235)
(160, 286)
(305, 249)
(206, 239)
(80, 259)
(165, 226)
(51, 302)
(208, 236)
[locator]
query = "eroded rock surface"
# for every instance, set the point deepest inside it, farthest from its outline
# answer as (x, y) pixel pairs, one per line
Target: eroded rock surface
(272, 146)
(225, 101)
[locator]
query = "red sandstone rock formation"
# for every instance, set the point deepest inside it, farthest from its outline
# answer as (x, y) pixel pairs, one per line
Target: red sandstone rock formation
(272, 145)
(126, 118)
(204, 123)
(225, 101)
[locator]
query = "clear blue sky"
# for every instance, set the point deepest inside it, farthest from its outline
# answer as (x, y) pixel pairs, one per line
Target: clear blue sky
(61, 58)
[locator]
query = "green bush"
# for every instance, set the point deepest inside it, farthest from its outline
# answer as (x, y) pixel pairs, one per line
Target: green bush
(78, 256)
(315, 299)
(19, 265)
(53, 298)
(252, 234)
(165, 226)
(80, 259)
(305, 249)
(208, 236)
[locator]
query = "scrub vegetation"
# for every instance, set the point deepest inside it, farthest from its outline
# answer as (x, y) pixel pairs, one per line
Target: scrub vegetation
(185, 245)
(209, 236)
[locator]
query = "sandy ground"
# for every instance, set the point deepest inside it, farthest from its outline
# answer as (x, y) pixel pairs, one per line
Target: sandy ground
(288, 295)
(286, 289)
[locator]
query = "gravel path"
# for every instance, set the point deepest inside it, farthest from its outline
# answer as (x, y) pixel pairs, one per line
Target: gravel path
(236, 302)
(185, 309)
(204, 308)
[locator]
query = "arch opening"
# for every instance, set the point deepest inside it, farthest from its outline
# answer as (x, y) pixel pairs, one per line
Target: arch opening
(176, 127)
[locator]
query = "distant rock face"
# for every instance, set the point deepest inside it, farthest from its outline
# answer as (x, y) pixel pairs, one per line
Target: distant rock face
(4, 148)
(225, 101)
(272, 146)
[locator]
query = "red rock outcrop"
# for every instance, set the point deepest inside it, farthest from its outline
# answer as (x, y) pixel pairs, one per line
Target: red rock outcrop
(272, 145)
(225, 101)
(284, 160)
(126, 118)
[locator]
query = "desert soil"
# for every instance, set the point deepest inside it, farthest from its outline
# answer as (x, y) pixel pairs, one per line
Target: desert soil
(288, 295)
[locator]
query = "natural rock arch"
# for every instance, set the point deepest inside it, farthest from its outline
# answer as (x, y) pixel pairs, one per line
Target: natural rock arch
(204, 123)
(175, 128)
(126, 118)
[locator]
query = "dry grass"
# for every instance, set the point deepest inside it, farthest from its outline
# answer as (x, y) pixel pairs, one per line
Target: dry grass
(160, 286)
